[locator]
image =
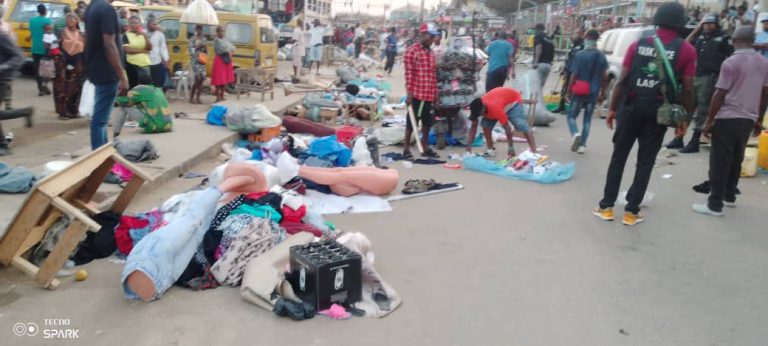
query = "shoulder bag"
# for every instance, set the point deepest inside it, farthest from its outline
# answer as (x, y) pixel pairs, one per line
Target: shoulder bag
(582, 87)
(47, 68)
(669, 114)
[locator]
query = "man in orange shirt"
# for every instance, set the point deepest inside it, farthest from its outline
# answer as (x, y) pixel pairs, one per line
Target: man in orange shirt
(503, 105)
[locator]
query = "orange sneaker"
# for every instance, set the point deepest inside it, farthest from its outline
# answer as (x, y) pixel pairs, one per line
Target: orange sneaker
(603, 213)
(631, 219)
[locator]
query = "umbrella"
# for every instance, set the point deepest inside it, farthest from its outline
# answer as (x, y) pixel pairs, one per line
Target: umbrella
(200, 12)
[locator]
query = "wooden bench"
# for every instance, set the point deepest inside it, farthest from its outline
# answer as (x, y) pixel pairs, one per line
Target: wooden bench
(254, 80)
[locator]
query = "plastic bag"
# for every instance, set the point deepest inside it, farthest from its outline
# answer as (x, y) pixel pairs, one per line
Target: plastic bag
(328, 148)
(360, 154)
(251, 119)
(87, 99)
(527, 85)
(200, 12)
(556, 174)
(216, 115)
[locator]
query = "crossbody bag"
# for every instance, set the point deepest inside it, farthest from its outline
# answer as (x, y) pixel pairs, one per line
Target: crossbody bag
(669, 114)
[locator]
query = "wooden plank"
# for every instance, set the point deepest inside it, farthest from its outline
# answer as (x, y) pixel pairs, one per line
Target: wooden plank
(31, 270)
(59, 182)
(27, 218)
(125, 197)
(93, 182)
(87, 206)
(61, 252)
(132, 167)
(37, 233)
(75, 213)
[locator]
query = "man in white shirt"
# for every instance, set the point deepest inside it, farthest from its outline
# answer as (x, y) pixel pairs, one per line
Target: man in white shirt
(316, 45)
(299, 47)
(359, 39)
(158, 56)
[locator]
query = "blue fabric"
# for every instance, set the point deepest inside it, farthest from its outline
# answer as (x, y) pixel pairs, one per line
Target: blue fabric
(102, 109)
(762, 38)
(552, 176)
(499, 52)
(328, 148)
(164, 254)
(515, 115)
(15, 179)
(577, 103)
(590, 60)
(216, 115)
(449, 140)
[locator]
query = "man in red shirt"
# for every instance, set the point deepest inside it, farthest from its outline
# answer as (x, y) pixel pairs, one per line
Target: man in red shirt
(637, 97)
(421, 86)
(501, 105)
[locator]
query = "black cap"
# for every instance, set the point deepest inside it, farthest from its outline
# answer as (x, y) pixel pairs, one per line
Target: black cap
(671, 15)
(592, 34)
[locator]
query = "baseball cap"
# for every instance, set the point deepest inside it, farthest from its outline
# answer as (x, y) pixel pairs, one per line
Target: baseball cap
(428, 27)
(710, 18)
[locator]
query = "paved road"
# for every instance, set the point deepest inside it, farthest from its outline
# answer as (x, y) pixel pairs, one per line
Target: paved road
(500, 263)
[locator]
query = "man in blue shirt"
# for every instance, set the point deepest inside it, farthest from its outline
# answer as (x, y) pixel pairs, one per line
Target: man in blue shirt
(588, 65)
(501, 62)
(391, 50)
(36, 31)
(761, 41)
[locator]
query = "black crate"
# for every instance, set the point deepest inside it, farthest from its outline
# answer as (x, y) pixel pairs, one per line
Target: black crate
(326, 273)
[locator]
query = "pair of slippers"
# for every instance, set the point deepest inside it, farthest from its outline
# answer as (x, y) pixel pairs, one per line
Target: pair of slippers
(416, 186)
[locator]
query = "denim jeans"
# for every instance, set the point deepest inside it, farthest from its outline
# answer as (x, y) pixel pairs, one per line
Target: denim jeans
(577, 104)
(164, 254)
(543, 70)
(102, 109)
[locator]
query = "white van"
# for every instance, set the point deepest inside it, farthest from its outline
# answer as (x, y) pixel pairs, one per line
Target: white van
(614, 44)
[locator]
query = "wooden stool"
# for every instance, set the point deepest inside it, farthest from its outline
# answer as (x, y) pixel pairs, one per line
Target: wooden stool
(66, 192)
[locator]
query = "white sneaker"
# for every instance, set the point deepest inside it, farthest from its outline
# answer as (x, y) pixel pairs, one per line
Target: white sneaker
(704, 209)
(490, 153)
(131, 124)
(582, 149)
(729, 204)
(576, 142)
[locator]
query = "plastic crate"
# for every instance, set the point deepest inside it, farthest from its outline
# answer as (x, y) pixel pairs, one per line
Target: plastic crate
(325, 273)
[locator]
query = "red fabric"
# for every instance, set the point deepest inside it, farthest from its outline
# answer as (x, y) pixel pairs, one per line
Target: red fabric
(222, 74)
(420, 73)
(497, 100)
(256, 195)
(686, 62)
(296, 227)
(123, 235)
(290, 215)
(347, 133)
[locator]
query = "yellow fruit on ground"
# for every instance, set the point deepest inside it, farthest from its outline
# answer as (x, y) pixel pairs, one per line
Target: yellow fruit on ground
(81, 275)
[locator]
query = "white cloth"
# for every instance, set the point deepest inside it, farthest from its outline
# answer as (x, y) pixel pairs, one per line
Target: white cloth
(326, 204)
(299, 43)
(316, 35)
(359, 33)
(159, 52)
(52, 40)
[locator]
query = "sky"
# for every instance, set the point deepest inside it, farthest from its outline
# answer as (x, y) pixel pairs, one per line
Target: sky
(376, 6)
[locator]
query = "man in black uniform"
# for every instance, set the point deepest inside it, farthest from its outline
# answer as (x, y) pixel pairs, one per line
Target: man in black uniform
(543, 54)
(712, 48)
(637, 97)
(577, 44)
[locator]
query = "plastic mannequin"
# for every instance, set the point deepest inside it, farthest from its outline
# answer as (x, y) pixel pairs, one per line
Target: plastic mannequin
(353, 180)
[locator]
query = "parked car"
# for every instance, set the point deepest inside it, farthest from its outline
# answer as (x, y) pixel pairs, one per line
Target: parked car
(614, 44)
(284, 34)
(253, 37)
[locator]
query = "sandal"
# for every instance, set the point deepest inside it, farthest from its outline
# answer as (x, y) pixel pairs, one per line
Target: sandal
(430, 154)
(407, 155)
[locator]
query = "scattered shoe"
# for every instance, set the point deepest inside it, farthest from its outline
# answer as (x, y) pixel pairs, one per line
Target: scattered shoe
(603, 213)
(704, 209)
(576, 142)
(691, 147)
(676, 143)
(631, 219)
(582, 149)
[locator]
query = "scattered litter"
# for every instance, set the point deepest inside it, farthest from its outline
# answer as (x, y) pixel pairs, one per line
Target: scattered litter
(192, 175)
(666, 176)
(72, 133)
(623, 332)
(452, 166)
(622, 200)
(431, 192)
(407, 164)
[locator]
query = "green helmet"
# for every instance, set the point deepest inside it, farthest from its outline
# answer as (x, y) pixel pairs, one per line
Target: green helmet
(670, 14)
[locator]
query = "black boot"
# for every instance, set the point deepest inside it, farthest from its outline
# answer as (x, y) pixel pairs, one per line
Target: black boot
(693, 145)
(675, 143)
(561, 107)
